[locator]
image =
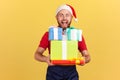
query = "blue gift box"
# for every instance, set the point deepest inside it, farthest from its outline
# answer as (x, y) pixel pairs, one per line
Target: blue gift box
(55, 33)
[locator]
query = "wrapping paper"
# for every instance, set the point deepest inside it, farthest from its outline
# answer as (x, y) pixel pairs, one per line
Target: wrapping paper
(74, 34)
(55, 33)
(64, 51)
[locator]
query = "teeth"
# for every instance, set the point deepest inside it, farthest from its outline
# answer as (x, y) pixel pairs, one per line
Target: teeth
(64, 22)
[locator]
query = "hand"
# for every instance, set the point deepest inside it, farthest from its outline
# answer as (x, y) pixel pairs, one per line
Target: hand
(82, 61)
(48, 61)
(82, 64)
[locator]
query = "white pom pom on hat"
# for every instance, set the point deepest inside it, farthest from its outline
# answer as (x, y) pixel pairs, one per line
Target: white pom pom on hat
(69, 8)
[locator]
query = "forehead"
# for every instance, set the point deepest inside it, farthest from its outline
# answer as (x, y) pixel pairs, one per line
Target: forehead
(64, 11)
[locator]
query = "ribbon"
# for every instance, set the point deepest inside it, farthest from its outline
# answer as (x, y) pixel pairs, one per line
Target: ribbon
(79, 35)
(64, 50)
(55, 33)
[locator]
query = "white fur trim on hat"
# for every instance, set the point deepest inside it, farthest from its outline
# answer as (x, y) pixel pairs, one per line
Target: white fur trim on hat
(64, 7)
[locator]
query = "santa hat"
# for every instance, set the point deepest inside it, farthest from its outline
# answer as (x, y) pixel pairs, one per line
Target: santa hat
(69, 8)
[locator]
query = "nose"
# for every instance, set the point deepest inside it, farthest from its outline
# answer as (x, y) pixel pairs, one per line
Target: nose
(64, 16)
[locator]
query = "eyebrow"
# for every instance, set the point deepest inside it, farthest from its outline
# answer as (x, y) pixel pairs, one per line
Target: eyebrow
(64, 13)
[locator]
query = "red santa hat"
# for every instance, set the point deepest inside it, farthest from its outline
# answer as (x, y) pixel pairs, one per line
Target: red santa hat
(69, 8)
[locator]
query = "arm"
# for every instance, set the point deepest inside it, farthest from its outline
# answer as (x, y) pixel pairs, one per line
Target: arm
(86, 55)
(83, 49)
(44, 43)
(40, 57)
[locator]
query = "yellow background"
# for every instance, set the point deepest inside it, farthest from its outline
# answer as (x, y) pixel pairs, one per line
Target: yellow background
(23, 22)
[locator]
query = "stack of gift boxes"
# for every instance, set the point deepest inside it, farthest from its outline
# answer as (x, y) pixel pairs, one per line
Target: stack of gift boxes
(64, 48)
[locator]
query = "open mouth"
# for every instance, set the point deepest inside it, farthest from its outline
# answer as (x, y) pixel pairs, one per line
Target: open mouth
(64, 22)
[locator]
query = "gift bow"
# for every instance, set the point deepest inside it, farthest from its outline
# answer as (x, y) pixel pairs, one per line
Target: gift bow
(78, 60)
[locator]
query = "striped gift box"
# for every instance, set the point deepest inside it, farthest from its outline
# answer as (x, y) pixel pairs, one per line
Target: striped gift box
(55, 33)
(74, 34)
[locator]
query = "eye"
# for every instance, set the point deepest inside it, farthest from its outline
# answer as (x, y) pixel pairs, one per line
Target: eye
(67, 15)
(60, 15)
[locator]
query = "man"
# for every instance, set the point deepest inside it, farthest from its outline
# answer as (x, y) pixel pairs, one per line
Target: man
(64, 15)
